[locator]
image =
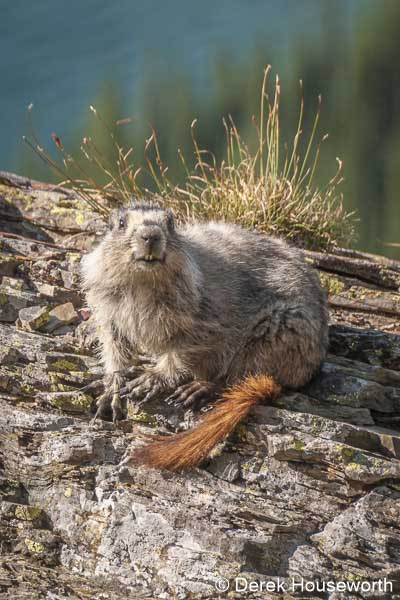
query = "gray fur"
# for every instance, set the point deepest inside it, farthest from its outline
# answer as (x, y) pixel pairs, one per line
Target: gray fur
(219, 303)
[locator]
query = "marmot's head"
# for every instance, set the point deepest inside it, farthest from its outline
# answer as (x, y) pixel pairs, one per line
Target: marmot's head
(141, 241)
(145, 232)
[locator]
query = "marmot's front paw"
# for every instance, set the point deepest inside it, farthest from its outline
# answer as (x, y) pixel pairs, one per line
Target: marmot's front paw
(144, 388)
(109, 407)
(196, 394)
(109, 403)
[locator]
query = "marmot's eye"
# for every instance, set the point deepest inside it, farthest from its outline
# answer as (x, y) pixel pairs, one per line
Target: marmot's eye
(121, 223)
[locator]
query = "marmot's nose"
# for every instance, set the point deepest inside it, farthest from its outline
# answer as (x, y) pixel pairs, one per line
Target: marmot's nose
(150, 237)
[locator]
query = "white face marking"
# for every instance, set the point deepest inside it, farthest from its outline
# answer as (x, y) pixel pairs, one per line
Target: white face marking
(135, 218)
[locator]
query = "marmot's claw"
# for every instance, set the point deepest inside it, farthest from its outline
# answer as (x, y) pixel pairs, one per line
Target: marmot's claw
(109, 406)
(117, 411)
(118, 415)
(136, 387)
(103, 407)
(196, 394)
(155, 390)
(145, 388)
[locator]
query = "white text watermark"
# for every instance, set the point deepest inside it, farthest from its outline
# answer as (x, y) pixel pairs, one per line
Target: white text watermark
(301, 585)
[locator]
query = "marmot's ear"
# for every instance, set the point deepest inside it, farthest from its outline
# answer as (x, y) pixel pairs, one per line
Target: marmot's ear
(170, 218)
(117, 219)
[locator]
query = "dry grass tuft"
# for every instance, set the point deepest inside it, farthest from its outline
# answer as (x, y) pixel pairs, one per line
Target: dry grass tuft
(271, 189)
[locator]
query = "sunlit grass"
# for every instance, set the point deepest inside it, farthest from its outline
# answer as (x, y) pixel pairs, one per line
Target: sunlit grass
(271, 188)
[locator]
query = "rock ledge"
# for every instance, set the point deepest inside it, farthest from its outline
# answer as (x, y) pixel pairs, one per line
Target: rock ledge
(308, 488)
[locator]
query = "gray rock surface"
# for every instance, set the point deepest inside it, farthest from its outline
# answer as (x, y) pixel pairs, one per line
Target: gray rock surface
(307, 488)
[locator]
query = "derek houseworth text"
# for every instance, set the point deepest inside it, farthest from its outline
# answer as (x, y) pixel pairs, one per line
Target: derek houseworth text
(241, 584)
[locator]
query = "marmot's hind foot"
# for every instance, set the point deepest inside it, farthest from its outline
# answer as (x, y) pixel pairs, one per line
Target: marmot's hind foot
(196, 395)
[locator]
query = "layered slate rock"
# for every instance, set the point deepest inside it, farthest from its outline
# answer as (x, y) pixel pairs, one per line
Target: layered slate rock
(307, 488)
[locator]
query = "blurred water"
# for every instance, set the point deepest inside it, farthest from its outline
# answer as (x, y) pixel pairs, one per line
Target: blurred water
(59, 54)
(55, 53)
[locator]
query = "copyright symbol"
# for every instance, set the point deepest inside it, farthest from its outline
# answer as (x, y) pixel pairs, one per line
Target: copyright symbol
(222, 584)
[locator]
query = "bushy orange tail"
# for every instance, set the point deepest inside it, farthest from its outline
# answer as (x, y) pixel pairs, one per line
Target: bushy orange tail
(190, 448)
